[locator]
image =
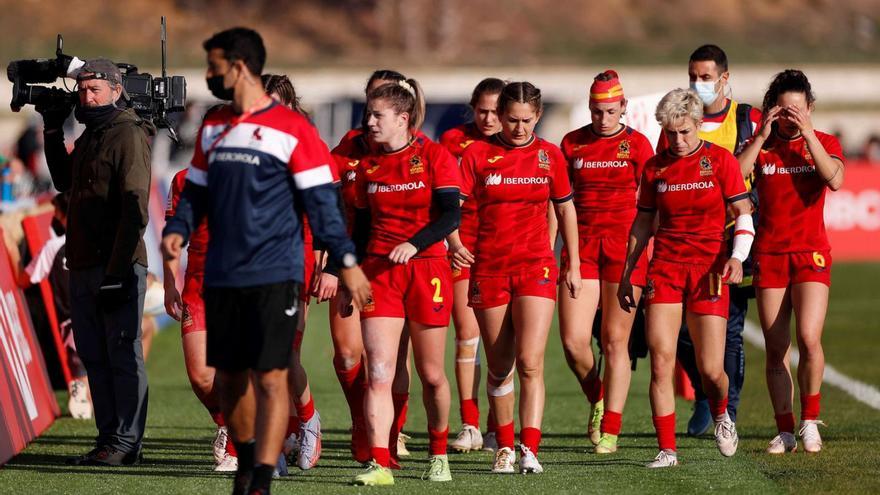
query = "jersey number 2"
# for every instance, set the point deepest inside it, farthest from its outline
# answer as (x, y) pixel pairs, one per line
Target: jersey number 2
(436, 283)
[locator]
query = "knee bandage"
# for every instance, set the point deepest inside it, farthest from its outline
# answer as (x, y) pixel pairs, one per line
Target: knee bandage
(474, 342)
(504, 384)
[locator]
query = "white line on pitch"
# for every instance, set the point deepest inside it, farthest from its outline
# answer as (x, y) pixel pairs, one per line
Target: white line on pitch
(860, 391)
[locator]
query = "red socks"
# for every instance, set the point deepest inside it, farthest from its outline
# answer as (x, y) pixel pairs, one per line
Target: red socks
(504, 434)
(611, 422)
(470, 412)
(785, 423)
(665, 427)
(437, 442)
(381, 455)
(530, 437)
(718, 408)
(352, 382)
(810, 407)
(401, 404)
(593, 389)
(306, 411)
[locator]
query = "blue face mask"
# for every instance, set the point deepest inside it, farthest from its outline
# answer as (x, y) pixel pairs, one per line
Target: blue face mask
(706, 91)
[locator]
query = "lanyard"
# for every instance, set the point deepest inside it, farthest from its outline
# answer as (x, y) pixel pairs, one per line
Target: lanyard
(241, 118)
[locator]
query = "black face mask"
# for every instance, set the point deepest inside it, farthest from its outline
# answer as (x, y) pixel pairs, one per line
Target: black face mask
(57, 227)
(94, 116)
(215, 86)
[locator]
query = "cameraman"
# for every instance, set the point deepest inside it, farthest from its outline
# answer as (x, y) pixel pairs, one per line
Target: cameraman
(108, 176)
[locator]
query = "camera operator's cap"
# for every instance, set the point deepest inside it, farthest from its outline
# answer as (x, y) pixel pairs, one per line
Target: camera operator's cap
(101, 68)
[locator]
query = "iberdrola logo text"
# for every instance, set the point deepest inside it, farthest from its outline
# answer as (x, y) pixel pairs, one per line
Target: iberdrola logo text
(663, 187)
(375, 187)
(498, 179)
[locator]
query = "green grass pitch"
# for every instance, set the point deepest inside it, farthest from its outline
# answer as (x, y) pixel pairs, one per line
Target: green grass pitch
(178, 455)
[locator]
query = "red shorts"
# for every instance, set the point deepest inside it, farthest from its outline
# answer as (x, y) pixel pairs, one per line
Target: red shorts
(459, 274)
(603, 258)
(420, 290)
(777, 271)
(193, 317)
(307, 286)
(698, 286)
(491, 291)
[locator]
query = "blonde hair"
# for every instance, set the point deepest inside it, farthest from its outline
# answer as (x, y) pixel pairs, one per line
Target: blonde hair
(678, 104)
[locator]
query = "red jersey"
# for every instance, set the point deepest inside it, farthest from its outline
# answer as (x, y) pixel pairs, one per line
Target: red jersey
(198, 241)
(457, 140)
(512, 186)
(605, 173)
(348, 154)
(397, 188)
(792, 195)
(691, 193)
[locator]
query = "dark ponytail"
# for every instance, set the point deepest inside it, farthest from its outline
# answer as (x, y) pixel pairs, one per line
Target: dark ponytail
(788, 81)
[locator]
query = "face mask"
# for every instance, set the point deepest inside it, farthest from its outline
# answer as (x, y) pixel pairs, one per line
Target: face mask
(215, 86)
(93, 116)
(706, 91)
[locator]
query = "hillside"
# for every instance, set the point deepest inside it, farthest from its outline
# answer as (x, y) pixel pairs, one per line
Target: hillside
(453, 32)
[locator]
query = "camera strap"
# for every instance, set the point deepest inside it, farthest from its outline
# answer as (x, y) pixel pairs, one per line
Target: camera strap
(231, 125)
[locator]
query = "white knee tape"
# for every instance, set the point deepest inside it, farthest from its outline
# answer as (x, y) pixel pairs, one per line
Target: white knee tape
(468, 342)
(500, 391)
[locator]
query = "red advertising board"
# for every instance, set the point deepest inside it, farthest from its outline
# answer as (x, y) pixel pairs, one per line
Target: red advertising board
(36, 232)
(852, 215)
(27, 403)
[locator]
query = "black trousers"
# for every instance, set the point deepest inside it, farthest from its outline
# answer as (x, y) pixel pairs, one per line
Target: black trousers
(109, 345)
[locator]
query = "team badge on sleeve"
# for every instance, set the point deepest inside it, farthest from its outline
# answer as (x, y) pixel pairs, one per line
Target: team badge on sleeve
(623, 149)
(705, 166)
(543, 160)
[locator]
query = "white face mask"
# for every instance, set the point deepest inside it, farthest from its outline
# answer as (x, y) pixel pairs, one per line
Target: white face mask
(706, 91)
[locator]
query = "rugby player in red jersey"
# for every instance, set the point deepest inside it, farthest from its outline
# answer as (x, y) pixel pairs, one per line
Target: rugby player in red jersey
(484, 104)
(795, 165)
(605, 163)
(513, 177)
(407, 200)
(729, 124)
(189, 309)
(345, 330)
(303, 437)
(688, 188)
